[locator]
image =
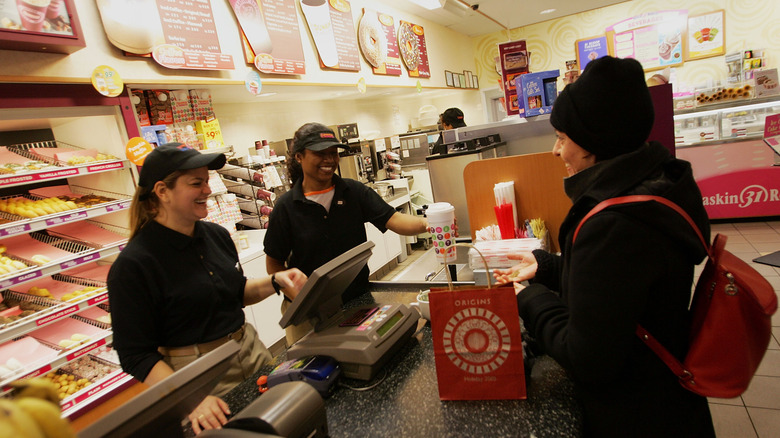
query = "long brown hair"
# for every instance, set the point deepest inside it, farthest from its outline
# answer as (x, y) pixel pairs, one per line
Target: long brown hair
(146, 205)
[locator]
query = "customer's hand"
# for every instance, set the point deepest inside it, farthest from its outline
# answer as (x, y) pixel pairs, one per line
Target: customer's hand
(524, 270)
(210, 414)
(291, 281)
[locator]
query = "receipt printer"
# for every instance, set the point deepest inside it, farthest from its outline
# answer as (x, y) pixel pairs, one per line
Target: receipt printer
(291, 409)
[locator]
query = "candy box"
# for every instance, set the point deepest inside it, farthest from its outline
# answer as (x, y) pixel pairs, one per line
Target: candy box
(181, 106)
(139, 102)
(200, 101)
(537, 92)
(160, 110)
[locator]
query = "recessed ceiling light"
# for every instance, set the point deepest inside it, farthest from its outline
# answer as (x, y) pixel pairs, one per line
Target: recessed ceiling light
(547, 11)
(428, 4)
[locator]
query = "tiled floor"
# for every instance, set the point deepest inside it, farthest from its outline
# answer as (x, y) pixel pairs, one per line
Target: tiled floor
(756, 414)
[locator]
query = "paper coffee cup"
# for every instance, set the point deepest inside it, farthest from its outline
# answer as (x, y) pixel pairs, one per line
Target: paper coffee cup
(441, 225)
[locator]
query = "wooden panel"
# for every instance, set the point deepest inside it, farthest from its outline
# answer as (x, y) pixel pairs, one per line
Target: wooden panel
(538, 190)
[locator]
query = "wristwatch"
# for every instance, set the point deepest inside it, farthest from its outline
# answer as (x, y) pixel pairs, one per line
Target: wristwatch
(277, 287)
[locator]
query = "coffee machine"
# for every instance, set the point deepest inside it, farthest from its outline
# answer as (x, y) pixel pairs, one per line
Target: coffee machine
(355, 163)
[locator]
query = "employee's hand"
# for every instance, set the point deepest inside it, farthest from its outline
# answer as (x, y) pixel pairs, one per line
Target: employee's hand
(291, 281)
(210, 414)
(524, 270)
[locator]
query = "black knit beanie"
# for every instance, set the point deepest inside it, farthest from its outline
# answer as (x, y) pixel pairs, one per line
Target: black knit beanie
(608, 110)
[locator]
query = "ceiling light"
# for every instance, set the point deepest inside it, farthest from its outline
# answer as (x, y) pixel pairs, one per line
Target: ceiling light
(455, 7)
(427, 4)
(547, 11)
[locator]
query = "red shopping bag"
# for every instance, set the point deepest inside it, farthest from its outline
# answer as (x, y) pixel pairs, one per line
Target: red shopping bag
(476, 344)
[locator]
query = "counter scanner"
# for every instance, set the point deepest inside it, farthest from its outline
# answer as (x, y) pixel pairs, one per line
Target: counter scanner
(360, 339)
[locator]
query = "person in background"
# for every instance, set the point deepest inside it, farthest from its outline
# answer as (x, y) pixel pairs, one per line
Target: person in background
(631, 264)
(451, 118)
(177, 290)
(324, 215)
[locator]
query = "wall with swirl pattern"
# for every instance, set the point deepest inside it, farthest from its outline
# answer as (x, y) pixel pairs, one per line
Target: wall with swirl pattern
(749, 24)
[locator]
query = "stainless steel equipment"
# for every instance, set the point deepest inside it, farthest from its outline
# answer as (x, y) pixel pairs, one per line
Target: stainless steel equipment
(353, 167)
(416, 146)
(522, 136)
(446, 173)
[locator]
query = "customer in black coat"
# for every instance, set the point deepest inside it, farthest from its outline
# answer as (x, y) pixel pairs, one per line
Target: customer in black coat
(631, 263)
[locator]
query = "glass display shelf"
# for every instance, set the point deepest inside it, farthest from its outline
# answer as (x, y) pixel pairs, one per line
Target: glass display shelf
(724, 122)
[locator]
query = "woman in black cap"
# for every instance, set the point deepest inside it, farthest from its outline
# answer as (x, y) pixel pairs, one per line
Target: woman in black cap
(323, 215)
(631, 264)
(177, 289)
(451, 118)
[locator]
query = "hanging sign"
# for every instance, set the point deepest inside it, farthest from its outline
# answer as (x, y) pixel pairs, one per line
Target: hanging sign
(106, 81)
(137, 149)
(513, 57)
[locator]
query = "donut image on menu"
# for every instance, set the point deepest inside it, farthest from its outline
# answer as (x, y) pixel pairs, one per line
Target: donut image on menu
(476, 340)
(372, 39)
(409, 46)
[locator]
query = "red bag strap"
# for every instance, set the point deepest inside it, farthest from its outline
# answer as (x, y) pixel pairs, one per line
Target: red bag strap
(671, 362)
(642, 198)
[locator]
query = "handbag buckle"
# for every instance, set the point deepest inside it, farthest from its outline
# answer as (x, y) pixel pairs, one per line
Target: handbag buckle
(731, 288)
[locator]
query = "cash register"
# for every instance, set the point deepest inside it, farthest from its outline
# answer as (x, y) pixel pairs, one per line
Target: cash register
(361, 339)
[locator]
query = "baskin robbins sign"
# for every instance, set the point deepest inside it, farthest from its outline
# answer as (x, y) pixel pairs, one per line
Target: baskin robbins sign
(746, 193)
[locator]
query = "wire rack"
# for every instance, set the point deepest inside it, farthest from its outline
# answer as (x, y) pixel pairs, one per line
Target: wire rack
(23, 149)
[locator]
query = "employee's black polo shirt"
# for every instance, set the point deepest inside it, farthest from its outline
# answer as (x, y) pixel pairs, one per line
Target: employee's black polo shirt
(311, 236)
(169, 289)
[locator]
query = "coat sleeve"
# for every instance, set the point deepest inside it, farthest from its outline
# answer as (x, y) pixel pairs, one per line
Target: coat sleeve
(589, 329)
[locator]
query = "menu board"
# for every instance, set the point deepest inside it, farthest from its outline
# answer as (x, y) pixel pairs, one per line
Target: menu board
(706, 35)
(513, 57)
(378, 43)
(271, 35)
(589, 49)
(414, 52)
(654, 39)
(331, 26)
(47, 17)
(190, 36)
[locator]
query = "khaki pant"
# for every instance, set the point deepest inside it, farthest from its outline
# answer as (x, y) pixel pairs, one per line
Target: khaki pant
(293, 333)
(251, 356)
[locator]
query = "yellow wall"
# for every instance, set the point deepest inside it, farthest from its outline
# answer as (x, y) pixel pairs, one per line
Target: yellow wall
(749, 25)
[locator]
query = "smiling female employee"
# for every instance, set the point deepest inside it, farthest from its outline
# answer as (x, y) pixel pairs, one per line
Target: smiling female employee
(323, 215)
(177, 289)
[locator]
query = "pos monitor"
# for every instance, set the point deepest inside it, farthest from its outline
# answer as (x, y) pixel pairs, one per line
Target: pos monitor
(360, 339)
(160, 410)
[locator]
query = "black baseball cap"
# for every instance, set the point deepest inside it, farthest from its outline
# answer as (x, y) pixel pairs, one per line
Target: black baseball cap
(319, 138)
(170, 157)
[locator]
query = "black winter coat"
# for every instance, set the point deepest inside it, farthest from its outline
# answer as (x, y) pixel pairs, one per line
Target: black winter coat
(631, 264)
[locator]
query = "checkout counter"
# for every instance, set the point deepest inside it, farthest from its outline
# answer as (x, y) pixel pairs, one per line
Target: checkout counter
(404, 397)
(405, 400)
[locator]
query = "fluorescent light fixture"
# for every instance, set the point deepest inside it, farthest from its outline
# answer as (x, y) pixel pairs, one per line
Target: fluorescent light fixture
(547, 11)
(428, 4)
(455, 7)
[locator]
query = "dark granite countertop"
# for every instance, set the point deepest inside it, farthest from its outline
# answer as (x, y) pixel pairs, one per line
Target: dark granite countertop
(406, 402)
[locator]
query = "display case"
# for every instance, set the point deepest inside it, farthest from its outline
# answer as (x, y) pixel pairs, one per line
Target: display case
(64, 199)
(735, 120)
(737, 173)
